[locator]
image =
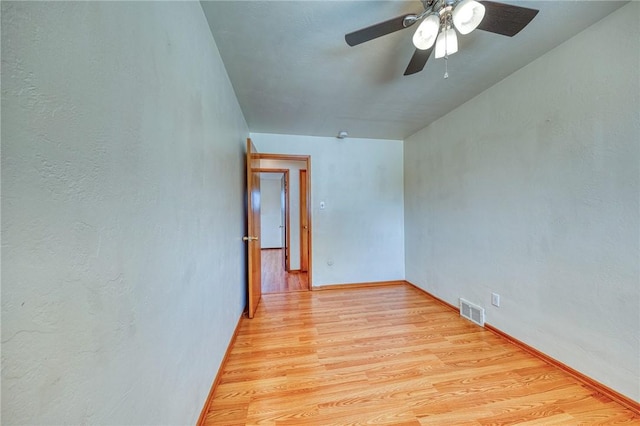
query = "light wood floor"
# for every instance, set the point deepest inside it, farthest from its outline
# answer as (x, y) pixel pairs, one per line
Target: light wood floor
(275, 279)
(389, 355)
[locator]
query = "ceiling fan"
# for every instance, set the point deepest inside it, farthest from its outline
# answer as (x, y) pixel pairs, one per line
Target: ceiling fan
(440, 20)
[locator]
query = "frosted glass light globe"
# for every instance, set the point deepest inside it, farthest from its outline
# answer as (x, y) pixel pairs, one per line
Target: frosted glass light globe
(467, 15)
(447, 43)
(427, 31)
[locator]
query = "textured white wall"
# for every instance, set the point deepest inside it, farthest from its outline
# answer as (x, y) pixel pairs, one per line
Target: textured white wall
(122, 212)
(271, 216)
(361, 228)
(531, 190)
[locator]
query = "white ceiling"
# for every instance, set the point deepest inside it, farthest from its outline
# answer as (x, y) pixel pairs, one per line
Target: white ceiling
(293, 72)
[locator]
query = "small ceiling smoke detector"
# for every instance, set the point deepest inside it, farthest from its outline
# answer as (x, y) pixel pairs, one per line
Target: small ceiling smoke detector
(342, 134)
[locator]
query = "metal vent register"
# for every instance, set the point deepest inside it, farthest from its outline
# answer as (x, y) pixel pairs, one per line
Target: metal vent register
(472, 312)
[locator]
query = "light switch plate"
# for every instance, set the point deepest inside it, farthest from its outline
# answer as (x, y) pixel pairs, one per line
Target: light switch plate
(495, 299)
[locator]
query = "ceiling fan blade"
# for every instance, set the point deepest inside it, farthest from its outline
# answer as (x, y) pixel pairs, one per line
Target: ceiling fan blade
(418, 61)
(378, 30)
(505, 19)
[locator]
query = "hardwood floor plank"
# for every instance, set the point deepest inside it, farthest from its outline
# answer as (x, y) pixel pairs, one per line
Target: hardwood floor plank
(390, 355)
(275, 279)
(555, 419)
(606, 416)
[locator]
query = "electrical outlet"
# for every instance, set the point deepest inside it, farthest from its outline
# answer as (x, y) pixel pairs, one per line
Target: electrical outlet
(495, 299)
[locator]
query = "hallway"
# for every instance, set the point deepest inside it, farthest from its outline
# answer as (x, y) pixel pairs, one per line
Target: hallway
(275, 279)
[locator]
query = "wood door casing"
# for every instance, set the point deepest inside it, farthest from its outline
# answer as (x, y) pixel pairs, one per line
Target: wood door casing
(304, 222)
(254, 269)
(283, 219)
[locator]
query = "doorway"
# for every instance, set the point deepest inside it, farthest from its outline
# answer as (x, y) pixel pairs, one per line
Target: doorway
(274, 212)
(285, 200)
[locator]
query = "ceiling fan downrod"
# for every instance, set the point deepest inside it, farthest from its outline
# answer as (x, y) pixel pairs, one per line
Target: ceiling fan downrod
(427, 3)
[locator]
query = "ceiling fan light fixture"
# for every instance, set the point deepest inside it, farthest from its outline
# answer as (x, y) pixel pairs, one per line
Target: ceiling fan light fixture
(427, 32)
(447, 43)
(467, 15)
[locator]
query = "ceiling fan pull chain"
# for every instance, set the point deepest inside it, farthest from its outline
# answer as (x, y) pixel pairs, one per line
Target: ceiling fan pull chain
(446, 57)
(446, 67)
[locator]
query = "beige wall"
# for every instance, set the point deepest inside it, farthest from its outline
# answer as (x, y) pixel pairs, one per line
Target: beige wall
(531, 190)
(122, 212)
(358, 237)
(271, 211)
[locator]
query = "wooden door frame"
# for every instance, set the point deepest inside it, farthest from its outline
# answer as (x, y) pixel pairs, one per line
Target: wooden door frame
(304, 211)
(307, 160)
(254, 267)
(287, 220)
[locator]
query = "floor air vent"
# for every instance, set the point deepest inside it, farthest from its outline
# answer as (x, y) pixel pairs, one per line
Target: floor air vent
(472, 312)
